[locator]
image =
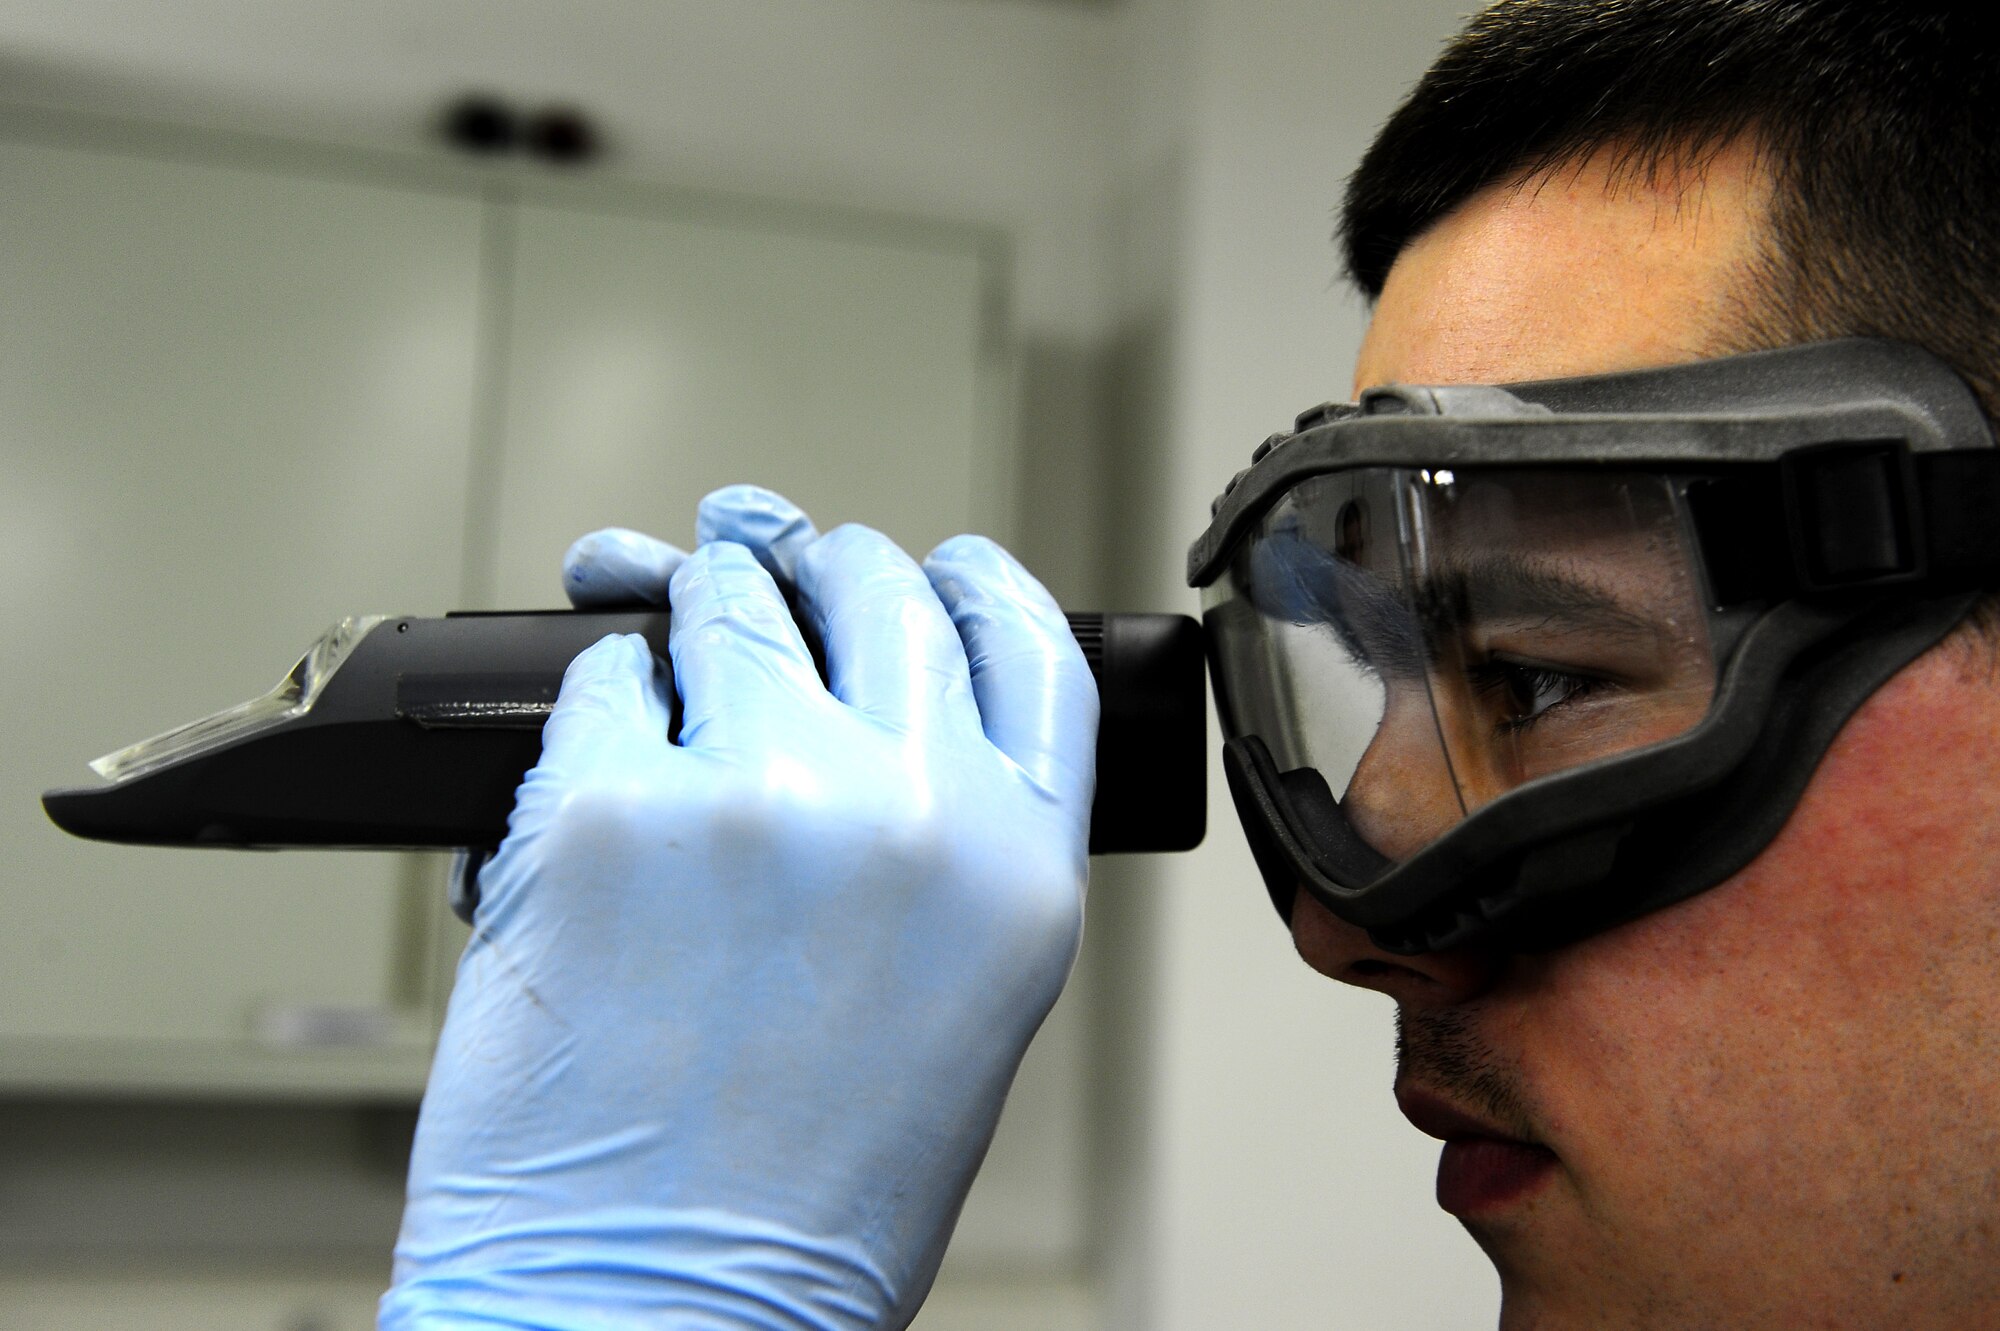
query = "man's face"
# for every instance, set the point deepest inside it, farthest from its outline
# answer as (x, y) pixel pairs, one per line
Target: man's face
(1778, 1103)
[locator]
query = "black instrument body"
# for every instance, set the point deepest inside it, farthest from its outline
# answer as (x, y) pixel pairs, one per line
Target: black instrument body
(421, 735)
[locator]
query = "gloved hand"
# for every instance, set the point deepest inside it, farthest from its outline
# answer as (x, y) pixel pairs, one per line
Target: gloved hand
(738, 1013)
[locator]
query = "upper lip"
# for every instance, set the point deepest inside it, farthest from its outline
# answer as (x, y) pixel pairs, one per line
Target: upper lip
(1437, 1117)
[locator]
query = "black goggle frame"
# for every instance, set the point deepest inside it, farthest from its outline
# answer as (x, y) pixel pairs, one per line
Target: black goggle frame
(1845, 495)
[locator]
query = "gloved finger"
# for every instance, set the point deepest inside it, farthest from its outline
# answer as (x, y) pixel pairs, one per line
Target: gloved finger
(610, 721)
(1037, 701)
(763, 522)
(611, 714)
(739, 662)
(891, 650)
(619, 567)
(462, 880)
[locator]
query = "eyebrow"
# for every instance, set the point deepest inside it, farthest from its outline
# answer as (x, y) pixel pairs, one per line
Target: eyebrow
(1523, 587)
(1297, 580)
(1384, 630)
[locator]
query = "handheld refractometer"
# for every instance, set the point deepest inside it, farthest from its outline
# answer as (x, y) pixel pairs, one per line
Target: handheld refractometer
(414, 733)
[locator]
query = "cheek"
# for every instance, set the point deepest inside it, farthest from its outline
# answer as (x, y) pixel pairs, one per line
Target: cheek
(1671, 1033)
(1823, 981)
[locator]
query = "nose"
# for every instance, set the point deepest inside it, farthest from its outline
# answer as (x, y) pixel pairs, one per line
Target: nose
(1343, 952)
(1403, 793)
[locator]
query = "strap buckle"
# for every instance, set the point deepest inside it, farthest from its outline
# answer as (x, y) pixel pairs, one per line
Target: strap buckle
(1854, 516)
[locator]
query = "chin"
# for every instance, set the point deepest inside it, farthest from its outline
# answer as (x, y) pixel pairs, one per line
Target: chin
(1523, 1315)
(1524, 1307)
(1524, 1310)
(1566, 1299)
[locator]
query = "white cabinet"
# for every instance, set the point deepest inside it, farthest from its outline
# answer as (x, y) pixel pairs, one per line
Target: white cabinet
(651, 358)
(233, 405)
(236, 404)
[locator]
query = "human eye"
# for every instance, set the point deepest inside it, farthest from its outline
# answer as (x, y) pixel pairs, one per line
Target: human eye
(1520, 693)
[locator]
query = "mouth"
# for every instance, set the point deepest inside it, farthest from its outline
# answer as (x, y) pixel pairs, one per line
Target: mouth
(1483, 1167)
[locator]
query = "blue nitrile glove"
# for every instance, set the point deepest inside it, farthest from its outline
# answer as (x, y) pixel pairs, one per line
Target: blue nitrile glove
(619, 567)
(738, 1014)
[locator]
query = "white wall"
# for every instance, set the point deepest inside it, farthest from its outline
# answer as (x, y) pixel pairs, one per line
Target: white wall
(998, 111)
(1284, 1189)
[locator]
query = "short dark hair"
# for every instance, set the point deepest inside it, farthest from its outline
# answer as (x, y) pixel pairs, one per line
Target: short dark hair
(1879, 120)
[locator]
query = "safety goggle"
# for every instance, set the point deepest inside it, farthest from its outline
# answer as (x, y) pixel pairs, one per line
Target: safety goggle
(1511, 665)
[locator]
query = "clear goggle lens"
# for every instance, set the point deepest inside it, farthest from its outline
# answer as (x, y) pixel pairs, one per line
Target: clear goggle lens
(1429, 640)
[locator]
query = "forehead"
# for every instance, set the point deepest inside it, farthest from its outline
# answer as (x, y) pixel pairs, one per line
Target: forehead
(1585, 269)
(1605, 527)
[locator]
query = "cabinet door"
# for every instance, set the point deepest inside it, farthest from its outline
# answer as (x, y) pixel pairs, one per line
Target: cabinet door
(652, 359)
(234, 406)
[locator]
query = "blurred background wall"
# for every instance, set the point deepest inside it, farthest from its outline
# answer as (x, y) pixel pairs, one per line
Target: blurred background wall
(1100, 229)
